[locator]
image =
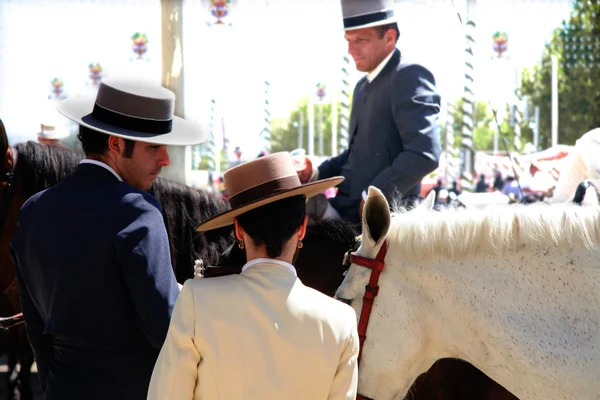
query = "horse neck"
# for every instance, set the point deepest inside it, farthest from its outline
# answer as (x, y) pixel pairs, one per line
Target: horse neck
(507, 313)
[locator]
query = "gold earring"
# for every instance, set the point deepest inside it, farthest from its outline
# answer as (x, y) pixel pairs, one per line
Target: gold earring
(241, 244)
(300, 244)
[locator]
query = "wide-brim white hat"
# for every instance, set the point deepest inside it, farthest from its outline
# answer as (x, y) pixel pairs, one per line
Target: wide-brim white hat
(52, 131)
(360, 14)
(134, 110)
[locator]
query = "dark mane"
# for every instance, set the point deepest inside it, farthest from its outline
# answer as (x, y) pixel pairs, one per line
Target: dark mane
(40, 166)
(183, 209)
(337, 231)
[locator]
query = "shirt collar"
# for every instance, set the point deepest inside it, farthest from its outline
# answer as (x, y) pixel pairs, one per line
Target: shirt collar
(252, 263)
(373, 74)
(103, 165)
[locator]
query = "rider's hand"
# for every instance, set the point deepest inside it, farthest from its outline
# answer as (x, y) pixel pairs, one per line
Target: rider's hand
(306, 173)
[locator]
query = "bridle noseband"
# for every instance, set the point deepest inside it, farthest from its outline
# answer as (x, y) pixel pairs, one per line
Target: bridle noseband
(371, 290)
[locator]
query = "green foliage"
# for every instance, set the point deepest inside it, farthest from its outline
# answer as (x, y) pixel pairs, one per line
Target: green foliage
(484, 127)
(577, 46)
(284, 132)
(203, 164)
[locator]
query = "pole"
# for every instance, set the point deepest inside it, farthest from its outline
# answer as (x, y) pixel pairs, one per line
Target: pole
(300, 130)
(536, 130)
(173, 78)
(496, 142)
(334, 125)
(554, 100)
(311, 125)
(321, 128)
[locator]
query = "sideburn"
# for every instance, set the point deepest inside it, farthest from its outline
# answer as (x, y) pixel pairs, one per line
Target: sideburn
(129, 146)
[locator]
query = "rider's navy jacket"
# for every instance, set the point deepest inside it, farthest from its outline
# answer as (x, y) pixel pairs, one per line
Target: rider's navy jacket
(394, 136)
(96, 285)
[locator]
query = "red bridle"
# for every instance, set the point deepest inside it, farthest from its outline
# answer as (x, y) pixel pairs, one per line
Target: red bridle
(371, 290)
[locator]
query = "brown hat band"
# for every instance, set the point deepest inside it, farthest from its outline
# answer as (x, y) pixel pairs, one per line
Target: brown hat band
(132, 123)
(263, 190)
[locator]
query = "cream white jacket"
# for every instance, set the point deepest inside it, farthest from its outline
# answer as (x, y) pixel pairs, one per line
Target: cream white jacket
(258, 335)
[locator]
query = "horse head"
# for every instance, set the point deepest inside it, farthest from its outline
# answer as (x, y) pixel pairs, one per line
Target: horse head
(384, 356)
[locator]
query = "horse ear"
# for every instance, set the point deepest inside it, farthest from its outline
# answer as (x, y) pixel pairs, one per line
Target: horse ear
(376, 217)
(591, 196)
(429, 201)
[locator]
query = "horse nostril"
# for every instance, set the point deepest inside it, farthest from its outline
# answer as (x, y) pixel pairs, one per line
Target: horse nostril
(349, 302)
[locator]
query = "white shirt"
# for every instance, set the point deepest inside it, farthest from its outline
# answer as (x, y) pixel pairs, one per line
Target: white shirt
(373, 74)
(252, 263)
(103, 165)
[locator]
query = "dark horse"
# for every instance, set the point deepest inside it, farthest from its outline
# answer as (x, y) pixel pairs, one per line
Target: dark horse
(320, 264)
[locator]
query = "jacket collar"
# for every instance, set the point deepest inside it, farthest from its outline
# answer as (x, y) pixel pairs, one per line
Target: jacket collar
(269, 262)
(387, 65)
(95, 171)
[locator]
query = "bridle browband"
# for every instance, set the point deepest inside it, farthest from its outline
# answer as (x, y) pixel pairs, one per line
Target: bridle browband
(371, 290)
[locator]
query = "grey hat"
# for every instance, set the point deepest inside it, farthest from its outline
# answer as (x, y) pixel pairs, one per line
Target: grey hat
(367, 13)
(134, 110)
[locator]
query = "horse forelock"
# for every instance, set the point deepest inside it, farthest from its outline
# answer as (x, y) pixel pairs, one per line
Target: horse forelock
(422, 234)
(40, 166)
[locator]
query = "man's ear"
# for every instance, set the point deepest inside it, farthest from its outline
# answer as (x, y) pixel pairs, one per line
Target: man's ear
(116, 144)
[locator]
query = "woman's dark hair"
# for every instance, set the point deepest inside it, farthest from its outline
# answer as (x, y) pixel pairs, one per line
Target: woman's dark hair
(274, 224)
(96, 143)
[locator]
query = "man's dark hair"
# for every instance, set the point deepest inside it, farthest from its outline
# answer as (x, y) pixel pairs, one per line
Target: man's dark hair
(96, 143)
(274, 224)
(382, 29)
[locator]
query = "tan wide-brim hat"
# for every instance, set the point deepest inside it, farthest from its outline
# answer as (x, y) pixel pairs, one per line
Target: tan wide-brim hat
(359, 14)
(134, 110)
(49, 131)
(263, 181)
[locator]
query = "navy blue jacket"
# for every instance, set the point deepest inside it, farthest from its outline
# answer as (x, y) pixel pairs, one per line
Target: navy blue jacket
(394, 136)
(96, 285)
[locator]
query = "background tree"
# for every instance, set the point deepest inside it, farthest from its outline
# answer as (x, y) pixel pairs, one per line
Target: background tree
(485, 127)
(284, 133)
(577, 46)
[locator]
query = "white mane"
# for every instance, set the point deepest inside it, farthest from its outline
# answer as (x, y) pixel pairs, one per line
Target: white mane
(421, 233)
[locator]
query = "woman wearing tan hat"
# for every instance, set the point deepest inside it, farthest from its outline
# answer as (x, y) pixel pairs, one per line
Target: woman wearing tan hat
(261, 334)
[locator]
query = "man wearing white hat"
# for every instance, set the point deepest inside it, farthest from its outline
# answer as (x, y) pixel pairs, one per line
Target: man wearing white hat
(49, 134)
(394, 131)
(92, 253)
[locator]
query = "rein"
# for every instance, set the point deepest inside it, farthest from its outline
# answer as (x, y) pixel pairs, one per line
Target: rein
(371, 290)
(8, 178)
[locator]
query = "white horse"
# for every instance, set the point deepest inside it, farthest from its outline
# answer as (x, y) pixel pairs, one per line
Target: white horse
(515, 290)
(582, 163)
